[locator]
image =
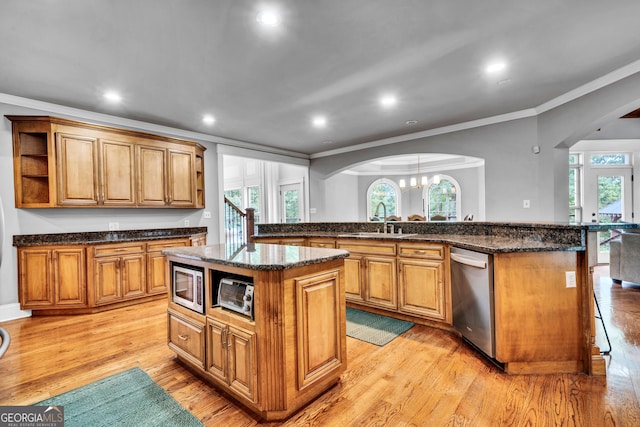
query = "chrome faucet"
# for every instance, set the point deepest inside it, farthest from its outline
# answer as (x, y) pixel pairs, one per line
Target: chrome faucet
(385, 215)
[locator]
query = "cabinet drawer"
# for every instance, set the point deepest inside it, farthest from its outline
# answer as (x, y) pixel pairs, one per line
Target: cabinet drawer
(119, 249)
(367, 247)
(421, 250)
(159, 245)
(322, 243)
(186, 337)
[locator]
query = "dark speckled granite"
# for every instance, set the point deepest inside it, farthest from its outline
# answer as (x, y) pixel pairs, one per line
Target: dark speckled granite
(96, 237)
(490, 237)
(258, 256)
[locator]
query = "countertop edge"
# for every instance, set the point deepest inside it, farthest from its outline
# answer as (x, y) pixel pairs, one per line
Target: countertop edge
(101, 237)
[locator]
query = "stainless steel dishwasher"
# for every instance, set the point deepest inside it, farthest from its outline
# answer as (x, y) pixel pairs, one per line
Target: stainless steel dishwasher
(472, 298)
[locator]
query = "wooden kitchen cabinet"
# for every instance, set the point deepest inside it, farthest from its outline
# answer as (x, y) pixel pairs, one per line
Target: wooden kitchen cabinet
(119, 272)
(354, 278)
(292, 350)
(181, 182)
(78, 278)
(64, 163)
(374, 263)
(33, 167)
(157, 277)
(422, 287)
(321, 243)
(186, 336)
(117, 173)
(94, 172)
(231, 357)
(77, 165)
(52, 277)
(166, 175)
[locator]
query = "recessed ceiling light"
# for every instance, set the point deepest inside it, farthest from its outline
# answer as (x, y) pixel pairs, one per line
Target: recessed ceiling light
(496, 67)
(327, 142)
(268, 18)
(388, 101)
(208, 119)
(319, 121)
(411, 122)
(112, 96)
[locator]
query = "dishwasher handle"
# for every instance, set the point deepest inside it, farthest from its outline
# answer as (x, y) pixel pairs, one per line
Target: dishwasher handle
(468, 261)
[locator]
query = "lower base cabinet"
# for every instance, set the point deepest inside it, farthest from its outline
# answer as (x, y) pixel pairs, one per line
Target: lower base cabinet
(77, 279)
(232, 357)
(52, 277)
(186, 337)
(421, 288)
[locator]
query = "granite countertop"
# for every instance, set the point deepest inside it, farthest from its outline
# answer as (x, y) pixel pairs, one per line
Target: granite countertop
(258, 256)
(480, 243)
(97, 237)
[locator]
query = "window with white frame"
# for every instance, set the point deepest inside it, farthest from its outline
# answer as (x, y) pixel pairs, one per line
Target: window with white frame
(383, 194)
(575, 187)
(442, 197)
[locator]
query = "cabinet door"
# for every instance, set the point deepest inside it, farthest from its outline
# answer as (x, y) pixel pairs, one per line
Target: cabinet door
(157, 270)
(354, 281)
(422, 288)
(69, 277)
(36, 283)
(152, 176)
(132, 276)
(216, 350)
(320, 326)
(117, 175)
(381, 284)
(181, 190)
(107, 279)
(242, 375)
(77, 164)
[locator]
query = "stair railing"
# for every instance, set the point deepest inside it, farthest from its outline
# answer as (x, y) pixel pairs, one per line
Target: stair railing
(239, 225)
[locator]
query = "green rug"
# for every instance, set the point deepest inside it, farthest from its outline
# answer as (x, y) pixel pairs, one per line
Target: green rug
(129, 398)
(374, 328)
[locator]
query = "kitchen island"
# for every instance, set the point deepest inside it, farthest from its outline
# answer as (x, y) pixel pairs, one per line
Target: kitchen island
(291, 350)
(543, 301)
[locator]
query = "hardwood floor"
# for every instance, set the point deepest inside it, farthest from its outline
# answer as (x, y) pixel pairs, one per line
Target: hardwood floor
(426, 377)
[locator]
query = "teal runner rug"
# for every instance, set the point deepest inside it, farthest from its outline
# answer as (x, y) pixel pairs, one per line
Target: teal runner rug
(129, 398)
(374, 328)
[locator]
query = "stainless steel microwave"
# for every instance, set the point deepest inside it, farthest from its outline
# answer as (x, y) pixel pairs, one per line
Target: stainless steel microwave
(187, 283)
(236, 295)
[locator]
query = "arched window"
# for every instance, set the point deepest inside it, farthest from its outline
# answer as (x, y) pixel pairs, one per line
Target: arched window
(442, 197)
(383, 191)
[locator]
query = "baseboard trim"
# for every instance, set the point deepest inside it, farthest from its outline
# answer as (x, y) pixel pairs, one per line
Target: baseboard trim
(12, 312)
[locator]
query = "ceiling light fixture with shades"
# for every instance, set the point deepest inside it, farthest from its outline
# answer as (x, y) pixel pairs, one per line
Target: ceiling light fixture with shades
(417, 182)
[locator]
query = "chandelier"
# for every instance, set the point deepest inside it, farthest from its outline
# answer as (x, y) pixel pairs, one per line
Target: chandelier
(419, 181)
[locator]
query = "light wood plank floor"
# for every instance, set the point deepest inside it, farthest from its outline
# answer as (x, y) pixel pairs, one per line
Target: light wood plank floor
(426, 377)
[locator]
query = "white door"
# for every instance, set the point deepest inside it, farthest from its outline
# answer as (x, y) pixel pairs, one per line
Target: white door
(291, 203)
(614, 204)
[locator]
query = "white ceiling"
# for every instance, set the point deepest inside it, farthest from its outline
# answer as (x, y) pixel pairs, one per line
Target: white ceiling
(174, 61)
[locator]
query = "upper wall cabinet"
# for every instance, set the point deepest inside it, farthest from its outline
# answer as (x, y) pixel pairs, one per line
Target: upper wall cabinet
(64, 163)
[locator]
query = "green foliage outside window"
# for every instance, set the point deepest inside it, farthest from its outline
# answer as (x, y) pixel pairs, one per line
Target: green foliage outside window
(443, 199)
(235, 197)
(386, 194)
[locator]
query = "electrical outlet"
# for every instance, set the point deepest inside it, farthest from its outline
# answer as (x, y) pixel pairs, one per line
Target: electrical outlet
(114, 226)
(570, 277)
(206, 214)
(526, 204)
(186, 222)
